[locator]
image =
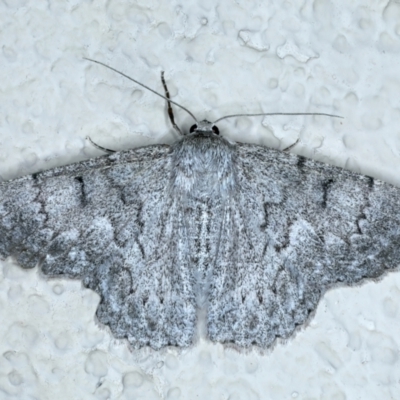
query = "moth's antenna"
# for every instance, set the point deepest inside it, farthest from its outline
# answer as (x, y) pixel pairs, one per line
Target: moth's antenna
(141, 84)
(258, 115)
(170, 111)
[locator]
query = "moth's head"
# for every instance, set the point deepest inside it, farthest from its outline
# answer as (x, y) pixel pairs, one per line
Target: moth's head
(204, 127)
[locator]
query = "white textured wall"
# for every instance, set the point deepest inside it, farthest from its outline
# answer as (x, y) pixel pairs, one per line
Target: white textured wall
(219, 57)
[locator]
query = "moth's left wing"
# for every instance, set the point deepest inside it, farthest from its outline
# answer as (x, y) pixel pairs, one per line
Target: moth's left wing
(112, 223)
(295, 228)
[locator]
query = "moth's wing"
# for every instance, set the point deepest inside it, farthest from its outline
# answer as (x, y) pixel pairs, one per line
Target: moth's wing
(112, 223)
(296, 228)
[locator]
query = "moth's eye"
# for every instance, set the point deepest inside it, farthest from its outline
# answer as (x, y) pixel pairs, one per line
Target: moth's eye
(193, 128)
(215, 130)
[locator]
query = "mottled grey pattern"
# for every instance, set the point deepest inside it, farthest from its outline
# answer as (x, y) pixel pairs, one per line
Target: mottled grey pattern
(253, 235)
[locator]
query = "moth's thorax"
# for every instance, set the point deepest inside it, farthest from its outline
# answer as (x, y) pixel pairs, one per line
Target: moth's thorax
(203, 165)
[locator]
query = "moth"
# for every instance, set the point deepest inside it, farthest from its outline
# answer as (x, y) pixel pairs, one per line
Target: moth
(253, 236)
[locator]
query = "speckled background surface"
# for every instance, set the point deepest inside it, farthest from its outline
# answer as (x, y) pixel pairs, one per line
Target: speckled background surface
(219, 58)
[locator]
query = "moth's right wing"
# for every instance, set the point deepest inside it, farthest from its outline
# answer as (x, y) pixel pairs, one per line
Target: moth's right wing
(112, 223)
(293, 229)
